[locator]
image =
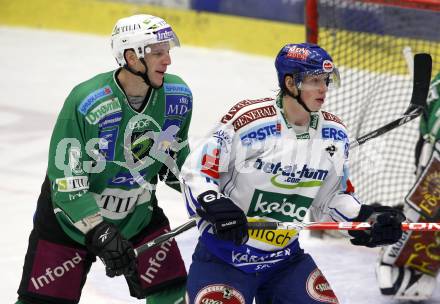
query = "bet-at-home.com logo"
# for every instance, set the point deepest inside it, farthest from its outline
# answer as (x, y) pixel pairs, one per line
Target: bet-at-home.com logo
(281, 207)
(291, 176)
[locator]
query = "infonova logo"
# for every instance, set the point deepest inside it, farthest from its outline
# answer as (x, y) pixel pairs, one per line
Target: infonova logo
(164, 34)
(155, 263)
(52, 274)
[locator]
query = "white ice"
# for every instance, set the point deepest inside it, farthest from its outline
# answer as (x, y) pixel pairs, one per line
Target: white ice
(38, 70)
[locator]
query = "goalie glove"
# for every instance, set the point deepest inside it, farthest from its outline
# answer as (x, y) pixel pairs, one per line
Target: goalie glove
(386, 226)
(228, 220)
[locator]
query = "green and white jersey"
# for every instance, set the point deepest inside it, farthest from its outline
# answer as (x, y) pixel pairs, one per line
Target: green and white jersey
(106, 158)
(274, 172)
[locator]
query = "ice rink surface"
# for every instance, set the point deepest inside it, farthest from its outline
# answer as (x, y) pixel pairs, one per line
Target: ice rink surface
(38, 70)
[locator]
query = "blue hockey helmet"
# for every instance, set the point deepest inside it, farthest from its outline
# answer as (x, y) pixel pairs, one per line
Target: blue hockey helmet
(303, 59)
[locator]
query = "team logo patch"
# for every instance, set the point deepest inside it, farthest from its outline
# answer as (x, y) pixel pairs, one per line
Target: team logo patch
(92, 98)
(219, 294)
(72, 183)
(179, 89)
(298, 53)
(319, 289)
(327, 66)
(210, 162)
(177, 105)
(106, 108)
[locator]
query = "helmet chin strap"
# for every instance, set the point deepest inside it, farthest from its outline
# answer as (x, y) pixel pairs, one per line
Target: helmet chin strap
(298, 99)
(144, 76)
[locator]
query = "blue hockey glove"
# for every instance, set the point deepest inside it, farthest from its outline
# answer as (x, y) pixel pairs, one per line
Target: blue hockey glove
(116, 253)
(386, 226)
(228, 220)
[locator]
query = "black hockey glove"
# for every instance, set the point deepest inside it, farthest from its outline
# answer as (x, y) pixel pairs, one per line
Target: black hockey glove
(116, 253)
(386, 226)
(228, 220)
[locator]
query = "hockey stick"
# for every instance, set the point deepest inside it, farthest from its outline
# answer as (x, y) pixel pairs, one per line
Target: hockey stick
(336, 226)
(165, 237)
(421, 80)
(287, 226)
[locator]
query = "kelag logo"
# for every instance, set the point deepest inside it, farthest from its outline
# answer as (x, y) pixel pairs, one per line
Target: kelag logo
(278, 206)
(288, 177)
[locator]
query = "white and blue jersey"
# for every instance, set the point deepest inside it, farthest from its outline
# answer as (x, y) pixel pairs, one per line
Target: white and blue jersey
(273, 173)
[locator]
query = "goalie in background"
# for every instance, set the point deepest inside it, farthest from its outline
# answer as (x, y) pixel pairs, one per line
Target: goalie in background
(272, 160)
(408, 269)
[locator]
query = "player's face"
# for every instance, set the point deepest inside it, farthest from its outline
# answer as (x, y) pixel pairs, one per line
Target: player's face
(157, 58)
(313, 90)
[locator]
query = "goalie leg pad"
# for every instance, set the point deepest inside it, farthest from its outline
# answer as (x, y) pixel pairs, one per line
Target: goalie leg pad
(404, 283)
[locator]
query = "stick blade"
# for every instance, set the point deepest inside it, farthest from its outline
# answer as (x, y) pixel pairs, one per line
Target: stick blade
(422, 78)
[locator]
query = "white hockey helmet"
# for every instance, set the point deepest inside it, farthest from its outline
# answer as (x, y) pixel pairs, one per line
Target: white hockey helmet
(137, 32)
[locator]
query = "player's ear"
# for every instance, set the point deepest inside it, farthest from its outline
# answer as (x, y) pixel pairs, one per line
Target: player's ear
(130, 57)
(289, 83)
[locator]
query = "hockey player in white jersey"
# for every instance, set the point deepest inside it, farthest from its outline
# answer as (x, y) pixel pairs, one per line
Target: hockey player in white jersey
(273, 159)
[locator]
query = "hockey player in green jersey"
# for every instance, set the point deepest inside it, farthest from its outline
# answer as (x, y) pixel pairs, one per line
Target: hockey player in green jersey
(118, 133)
(408, 269)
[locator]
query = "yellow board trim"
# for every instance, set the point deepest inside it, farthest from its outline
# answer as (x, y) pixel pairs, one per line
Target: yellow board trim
(254, 36)
(372, 52)
(248, 35)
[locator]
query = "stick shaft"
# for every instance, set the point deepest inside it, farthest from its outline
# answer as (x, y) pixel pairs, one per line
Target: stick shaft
(337, 226)
(422, 67)
(287, 226)
(386, 128)
(165, 237)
